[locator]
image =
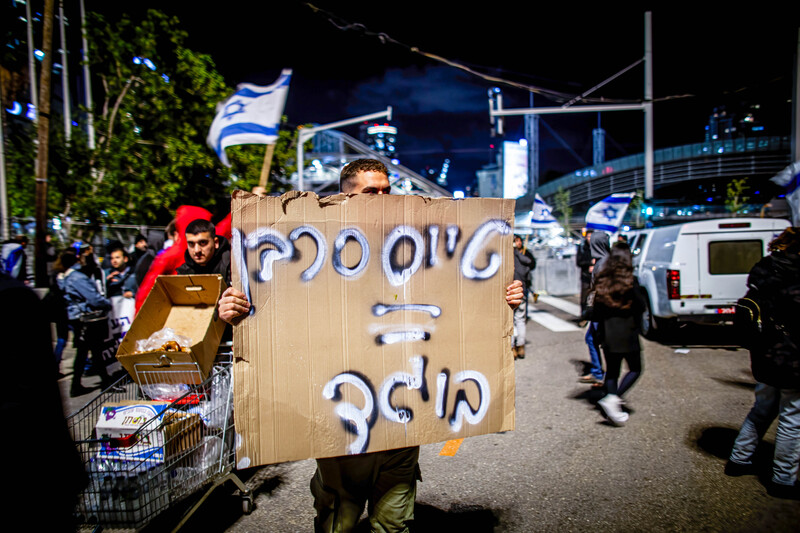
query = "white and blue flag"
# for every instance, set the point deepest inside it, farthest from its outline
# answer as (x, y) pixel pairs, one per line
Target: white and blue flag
(607, 214)
(250, 116)
(542, 215)
(789, 179)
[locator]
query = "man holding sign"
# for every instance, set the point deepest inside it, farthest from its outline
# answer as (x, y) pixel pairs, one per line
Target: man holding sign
(385, 479)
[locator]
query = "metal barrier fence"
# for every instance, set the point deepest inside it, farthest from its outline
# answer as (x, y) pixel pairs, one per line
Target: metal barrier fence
(556, 276)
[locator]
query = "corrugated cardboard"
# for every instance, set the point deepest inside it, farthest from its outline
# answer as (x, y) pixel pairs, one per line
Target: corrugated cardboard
(188, 305)
(329, 363)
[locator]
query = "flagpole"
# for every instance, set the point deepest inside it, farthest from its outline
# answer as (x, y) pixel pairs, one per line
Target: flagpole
(262, 182)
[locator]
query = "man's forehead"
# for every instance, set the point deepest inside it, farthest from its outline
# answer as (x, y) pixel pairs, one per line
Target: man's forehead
(202, 236)
(370, 178)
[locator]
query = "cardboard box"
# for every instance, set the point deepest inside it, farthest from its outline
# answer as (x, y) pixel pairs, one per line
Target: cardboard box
(159, 433)
(188, 305)
(378, 322)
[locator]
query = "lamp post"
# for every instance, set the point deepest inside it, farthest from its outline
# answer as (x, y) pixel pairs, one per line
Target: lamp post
(307, 133)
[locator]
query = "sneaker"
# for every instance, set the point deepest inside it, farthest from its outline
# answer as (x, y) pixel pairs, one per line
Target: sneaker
(610, 406)
(786, 492)
(734, 469)
(588, 378)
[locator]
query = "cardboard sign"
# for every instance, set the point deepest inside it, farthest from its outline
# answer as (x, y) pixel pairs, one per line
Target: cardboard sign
(377, 322)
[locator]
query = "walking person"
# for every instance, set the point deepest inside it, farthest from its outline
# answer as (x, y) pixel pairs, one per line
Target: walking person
(618, 308)
(524, 263)
(774, 282)
(598, 246)
(584, 261)
(87, 312)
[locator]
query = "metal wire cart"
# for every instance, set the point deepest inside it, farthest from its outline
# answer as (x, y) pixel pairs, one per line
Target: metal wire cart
(184, 441)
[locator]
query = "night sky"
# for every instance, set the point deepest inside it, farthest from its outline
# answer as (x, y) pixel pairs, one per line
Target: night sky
(343, 69)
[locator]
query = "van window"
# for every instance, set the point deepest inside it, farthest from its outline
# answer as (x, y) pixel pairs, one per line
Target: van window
(662, 243)
(639, 244)
(733, 257)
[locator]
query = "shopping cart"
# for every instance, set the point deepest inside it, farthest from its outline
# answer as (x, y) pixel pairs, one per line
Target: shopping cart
(187, 444)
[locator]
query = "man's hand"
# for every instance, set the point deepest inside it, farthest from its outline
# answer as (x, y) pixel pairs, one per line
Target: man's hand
(233, 306)
(514, 294)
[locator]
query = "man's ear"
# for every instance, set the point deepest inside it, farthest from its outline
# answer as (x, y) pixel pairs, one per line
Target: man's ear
(216, 242)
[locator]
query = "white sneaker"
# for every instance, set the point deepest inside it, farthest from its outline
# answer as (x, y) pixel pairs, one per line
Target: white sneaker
(610, 404)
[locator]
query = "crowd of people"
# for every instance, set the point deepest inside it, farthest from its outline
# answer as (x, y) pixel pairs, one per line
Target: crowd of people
(612, 305)
(611, 310)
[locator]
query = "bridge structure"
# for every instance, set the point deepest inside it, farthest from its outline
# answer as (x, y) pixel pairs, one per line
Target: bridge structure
(332, 150)
(692, 174)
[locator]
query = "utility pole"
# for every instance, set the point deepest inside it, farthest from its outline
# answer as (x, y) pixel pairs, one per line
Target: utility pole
(532, 135)
(496, 110)
(43, 135)
(87, 82)
(62, 25)
(648, 107)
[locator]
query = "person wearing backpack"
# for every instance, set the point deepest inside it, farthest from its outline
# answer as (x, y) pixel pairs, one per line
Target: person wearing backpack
(87, 311)
(13, 258)
(774, 286)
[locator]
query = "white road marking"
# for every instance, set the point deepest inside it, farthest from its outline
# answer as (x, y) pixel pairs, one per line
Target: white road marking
(551, 322)
(564, 305)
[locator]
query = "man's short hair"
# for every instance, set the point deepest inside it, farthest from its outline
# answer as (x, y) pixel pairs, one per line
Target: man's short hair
(201, 225)
(350, 170)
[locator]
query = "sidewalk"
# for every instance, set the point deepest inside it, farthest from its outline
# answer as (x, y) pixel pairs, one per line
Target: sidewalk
(71, 405)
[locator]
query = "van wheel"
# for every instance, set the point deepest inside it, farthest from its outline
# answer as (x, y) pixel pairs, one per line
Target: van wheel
(649, 325)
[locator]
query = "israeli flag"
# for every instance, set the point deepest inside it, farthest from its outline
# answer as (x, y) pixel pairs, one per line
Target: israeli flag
(607, 214)
(542, 216)
(250, 116)
(789, 179)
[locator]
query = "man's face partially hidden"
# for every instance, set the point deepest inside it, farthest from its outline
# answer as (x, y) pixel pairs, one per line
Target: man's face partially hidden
(201, 246)
(370, 182)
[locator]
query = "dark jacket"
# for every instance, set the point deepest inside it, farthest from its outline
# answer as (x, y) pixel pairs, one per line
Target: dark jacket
(524, 263)
(600, 248)
(81, 294)
(619, 328)
(584, 260)
(122, 282)
(155, 244)
(220, 263)
(31, 405)
(774, 282)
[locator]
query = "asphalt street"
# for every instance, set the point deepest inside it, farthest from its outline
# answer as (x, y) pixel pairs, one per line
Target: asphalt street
(564, 467)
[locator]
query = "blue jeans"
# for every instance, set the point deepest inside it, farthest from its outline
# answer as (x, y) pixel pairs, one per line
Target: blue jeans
(594, 352)
(772, 402)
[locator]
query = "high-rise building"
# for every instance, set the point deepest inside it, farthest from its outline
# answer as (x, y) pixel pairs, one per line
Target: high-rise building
(380, 137)
(724, 124)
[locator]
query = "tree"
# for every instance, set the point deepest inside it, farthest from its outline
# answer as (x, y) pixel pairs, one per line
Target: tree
(154, 103)
(153, 110)
(561, 200)
(636, 207)
(735, 198)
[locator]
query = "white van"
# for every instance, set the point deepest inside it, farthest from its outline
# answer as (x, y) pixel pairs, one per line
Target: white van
(695, 271)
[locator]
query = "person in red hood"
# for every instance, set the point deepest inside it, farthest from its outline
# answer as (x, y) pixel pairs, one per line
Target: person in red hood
(167, 262)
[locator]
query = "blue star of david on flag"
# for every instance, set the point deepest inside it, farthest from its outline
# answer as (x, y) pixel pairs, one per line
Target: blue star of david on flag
(607, 214)
(250, 116)
(542, 215)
